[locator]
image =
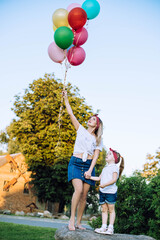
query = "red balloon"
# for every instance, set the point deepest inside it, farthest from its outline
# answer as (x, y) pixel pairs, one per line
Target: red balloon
(77, 18)
(76, 55)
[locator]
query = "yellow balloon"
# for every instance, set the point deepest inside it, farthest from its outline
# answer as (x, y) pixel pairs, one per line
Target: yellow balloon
(60, 18)
(54, 28)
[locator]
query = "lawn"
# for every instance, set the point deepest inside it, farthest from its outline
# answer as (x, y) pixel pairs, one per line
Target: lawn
(11, 231)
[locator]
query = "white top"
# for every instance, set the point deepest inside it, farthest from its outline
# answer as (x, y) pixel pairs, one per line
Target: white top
(85, 143)
(107, 175)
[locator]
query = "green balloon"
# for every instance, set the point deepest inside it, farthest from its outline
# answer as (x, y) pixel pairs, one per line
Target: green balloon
(63, 37)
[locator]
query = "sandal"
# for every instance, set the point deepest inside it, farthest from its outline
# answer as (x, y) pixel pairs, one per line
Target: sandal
(71, 228)
(101, 230)
(80, 227)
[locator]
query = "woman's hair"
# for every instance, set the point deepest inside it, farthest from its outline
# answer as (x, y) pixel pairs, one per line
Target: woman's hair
(121, 167)
(98, 132)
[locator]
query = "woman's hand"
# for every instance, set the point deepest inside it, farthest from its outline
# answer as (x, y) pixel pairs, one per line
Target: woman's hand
(102, 185)
(87, 177)
(87, 174)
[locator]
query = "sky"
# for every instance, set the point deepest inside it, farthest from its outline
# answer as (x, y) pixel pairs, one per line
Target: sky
(120, 75)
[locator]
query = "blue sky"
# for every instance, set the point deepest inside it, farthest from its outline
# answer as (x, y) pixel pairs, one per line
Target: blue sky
(120, 75)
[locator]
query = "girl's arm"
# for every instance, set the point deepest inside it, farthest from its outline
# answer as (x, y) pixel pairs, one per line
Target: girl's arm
(114, 179)
(94, 178)
(96, 154)
(69, 110)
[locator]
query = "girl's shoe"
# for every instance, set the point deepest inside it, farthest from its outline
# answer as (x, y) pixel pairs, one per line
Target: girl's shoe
(101, 230)
(109, 231)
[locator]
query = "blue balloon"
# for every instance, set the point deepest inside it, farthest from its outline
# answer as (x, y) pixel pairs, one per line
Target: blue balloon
(70, 47)
(92, 8)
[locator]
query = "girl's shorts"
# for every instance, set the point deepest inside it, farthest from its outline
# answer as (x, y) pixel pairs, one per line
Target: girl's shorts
(77, 168)
(109, 198)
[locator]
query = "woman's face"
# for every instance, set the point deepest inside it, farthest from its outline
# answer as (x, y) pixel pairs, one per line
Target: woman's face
(92, 122)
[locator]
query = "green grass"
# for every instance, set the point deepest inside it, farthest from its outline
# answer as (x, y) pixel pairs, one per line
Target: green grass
(12, 231)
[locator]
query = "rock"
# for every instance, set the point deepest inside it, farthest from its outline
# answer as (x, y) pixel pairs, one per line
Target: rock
(7, 212)
(86, 217)
(39, 214)
(47, 214)
(93, 218)
(19, 213)
(64, 217)
(64, 234)
(30, 214)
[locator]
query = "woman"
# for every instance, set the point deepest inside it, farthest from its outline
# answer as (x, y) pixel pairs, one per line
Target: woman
(87, 147)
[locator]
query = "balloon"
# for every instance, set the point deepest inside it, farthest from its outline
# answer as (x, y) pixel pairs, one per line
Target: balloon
(76, 55)
(73, 5)
(70, 47)
(63, 37)
(77, 17)
(80, 36)
(60, 18)
(92, 8)
(55, 53)
(54, 28)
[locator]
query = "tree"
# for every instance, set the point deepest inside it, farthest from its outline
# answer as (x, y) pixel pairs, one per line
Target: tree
(154, 207)
(35, 131)
(151, 166)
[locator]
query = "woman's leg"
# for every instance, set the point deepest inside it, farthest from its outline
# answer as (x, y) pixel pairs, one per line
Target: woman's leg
(78, 188)
(104, 213)
(82, 204)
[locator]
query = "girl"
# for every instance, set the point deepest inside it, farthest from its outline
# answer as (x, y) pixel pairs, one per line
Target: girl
(108, 190)
(87, 146)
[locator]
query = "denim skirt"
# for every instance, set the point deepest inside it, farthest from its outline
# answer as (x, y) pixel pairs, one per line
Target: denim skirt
(77, 168)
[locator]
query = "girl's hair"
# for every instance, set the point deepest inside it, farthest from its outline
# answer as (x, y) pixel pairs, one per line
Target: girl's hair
(121, 167)
(98, 132)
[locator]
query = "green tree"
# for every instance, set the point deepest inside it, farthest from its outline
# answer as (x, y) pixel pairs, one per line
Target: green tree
(132, 205)
(35, 131)
(154, 207)
(151, 166)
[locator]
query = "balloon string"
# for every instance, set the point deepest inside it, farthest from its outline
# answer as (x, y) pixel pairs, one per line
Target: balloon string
(87, 24)
(61, 105)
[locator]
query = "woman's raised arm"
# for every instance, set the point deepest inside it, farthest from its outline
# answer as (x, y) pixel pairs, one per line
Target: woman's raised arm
(69, 110)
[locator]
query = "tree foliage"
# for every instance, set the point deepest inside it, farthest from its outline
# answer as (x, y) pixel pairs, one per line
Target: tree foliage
(35, 133)
(36, 126)
(151, 166)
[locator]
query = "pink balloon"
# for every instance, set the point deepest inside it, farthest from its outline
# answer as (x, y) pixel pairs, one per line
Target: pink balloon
(73, 5)
(80, 36)
(76, 55)
(55, 53)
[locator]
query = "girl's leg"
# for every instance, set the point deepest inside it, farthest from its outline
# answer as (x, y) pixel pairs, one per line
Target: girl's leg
(104, 213)
(112, 214)
(82, 204)
(103, 228)
(78, 188)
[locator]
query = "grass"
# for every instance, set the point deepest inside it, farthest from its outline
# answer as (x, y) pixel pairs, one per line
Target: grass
(12, 231)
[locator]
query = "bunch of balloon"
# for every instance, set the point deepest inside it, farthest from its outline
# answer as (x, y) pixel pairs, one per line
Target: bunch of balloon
(70, 35)
(69, 31)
